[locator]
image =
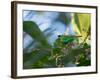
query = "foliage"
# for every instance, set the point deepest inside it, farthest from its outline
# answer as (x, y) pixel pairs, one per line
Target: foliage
(66, 48)
(83, 25)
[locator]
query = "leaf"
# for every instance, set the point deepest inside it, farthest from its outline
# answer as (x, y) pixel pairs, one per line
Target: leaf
(77, 22)
(72, 54)
(65, 18)
(83, 21)
(38, 57)
(33, 30)
(35, 57)
(83, 60)
(48, 32)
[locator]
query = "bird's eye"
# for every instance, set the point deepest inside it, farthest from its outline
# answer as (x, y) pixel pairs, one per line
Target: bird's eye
(59, 35)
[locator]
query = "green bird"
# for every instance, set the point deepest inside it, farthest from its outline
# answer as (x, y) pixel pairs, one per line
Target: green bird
(67, 39)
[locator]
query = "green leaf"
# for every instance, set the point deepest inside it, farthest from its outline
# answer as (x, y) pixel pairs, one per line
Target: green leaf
(83, 21)
(77, 22)
(33, 30)
(84, 60)
(72, 54)
(35, 57)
